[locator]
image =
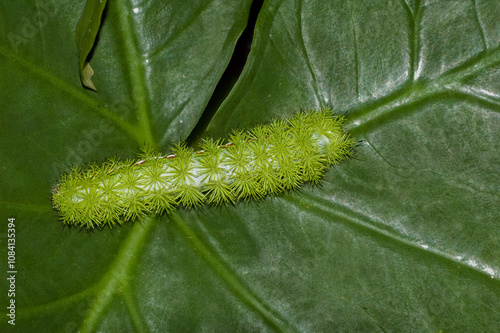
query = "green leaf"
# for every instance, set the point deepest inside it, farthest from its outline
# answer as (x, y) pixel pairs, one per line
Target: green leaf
(404, 237)
(86, 33)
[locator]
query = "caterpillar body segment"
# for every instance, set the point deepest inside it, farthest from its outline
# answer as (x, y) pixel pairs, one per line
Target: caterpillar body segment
(267, 159)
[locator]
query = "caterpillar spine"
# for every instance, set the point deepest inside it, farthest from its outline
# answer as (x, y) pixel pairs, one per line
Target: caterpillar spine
(267, 159)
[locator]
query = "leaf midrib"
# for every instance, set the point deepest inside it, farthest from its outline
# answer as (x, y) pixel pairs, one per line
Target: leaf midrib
(450, 82)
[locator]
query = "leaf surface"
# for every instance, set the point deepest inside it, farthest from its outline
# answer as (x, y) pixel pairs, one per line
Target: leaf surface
(404, 237)
(86, 33)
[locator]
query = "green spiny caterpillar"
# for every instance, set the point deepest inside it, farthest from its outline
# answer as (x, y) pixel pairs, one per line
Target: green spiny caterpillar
(268, 159)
